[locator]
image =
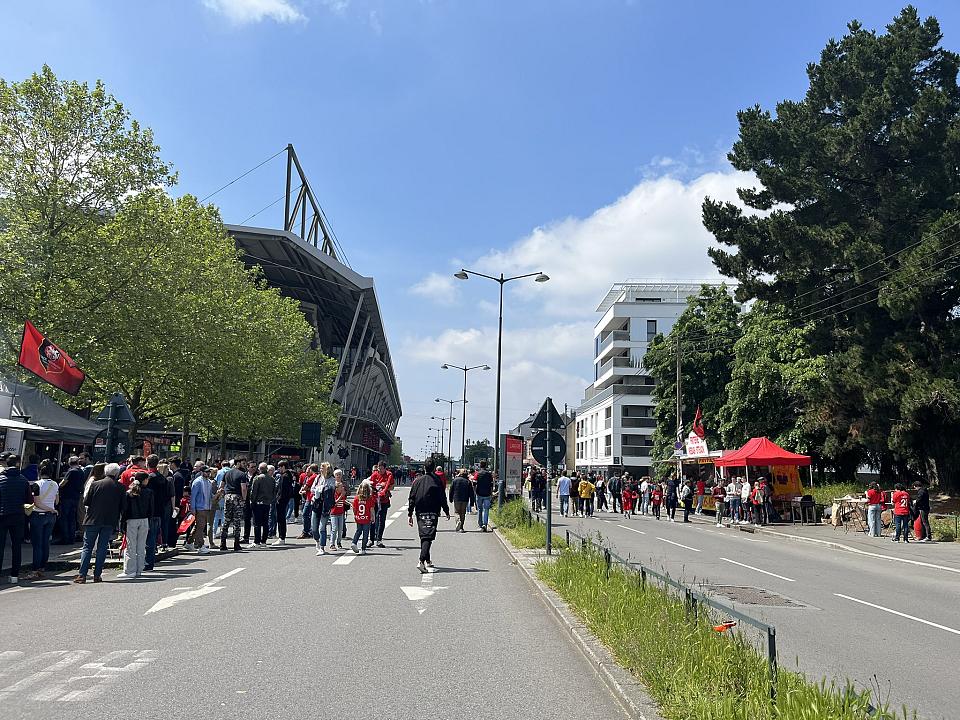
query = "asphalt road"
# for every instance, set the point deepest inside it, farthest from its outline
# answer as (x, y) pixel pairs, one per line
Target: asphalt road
(283, 633)
(870, 619)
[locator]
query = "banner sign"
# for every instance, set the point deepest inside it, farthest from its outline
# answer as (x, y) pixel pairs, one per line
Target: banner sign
(696, 446)
(48, 362)
(511, 466)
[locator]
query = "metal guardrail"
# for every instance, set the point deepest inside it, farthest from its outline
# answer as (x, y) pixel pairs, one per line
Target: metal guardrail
(691, 596)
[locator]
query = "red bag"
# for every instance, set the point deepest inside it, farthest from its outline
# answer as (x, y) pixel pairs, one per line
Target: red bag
(917, 528)
(186, 524)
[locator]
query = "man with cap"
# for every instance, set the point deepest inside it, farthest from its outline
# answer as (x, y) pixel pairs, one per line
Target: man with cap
(15, 492)
(201, 503)
(104, 501)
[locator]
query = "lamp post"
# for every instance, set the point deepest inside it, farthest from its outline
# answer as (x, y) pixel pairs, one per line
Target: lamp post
(463, 425)
(502, 280)
(450, 434)
(449, 428)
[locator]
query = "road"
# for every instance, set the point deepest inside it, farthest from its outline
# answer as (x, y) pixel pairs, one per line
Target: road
(850, 616)
(283, 633)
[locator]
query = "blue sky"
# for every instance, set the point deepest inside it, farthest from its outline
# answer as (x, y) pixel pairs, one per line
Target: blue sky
(576, 138)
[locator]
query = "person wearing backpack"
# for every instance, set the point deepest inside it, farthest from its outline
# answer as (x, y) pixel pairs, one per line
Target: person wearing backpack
(686, 498)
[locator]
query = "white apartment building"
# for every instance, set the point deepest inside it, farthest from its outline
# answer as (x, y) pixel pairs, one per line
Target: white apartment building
(615, 423)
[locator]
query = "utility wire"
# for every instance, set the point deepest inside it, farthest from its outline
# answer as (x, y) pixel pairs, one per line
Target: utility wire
(240, 177)
(266, 207)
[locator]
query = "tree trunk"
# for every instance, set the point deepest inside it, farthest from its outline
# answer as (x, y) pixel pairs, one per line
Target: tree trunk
(223, 443)
(185, 440)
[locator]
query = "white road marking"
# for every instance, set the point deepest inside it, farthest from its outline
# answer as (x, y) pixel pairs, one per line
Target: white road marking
(206, 589)
(345, 560)
(422, 593)
(57, 682)
(685, 547)
(641, 532)
(9, 591)
(71, 552)
(750, 567)
(397, 514)
(897, 612)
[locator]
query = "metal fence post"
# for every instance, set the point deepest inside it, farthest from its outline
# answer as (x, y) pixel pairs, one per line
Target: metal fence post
(643, 578)
(606, 560)
(568, 538)
(772, 659)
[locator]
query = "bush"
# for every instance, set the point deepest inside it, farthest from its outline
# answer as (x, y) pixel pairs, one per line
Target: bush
(523, 531)
(693, 672)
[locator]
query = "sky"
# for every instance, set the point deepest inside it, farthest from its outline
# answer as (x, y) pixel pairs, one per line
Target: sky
(574, 138)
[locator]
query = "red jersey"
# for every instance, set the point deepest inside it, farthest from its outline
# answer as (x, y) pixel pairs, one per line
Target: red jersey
(874, 497)
(306, 482)
(126, 477)
(901, 502)
(656, 497)
(362, 510)
(339, 502)
(627, 498)
(383, 484)
(701, 487)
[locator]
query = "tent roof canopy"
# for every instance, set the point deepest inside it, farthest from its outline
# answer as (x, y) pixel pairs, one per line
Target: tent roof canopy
(37, 408)
(761, 451)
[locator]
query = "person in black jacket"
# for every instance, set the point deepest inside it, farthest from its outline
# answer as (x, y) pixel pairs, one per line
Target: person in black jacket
(484, 491)
(163, 509)
(427, 499)
(286, 491)
(15, 492)
(103, 500)
(461, 493)
(135, 523)
(921, 508)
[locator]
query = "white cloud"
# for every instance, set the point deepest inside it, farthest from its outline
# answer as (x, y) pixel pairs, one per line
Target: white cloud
(242, 12)
(441, 289)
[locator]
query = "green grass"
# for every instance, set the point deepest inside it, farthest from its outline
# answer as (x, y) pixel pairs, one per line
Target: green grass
(824, 494)
(512, 521)
(944, 529)
(691, 671)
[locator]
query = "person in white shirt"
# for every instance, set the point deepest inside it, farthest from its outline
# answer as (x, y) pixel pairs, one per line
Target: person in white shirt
(644, 497)
(746, 507)
(43, 517)
(563, 493)
(733, 500)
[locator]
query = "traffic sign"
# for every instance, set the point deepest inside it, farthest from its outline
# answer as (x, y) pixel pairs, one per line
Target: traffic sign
(122, 417)
(557, 447)
(547, 417)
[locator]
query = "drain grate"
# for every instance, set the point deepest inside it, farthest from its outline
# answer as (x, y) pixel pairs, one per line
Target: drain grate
(753, 596)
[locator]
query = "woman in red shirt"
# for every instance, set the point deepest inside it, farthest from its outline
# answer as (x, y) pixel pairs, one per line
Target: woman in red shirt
(874, 508)
(901, 512)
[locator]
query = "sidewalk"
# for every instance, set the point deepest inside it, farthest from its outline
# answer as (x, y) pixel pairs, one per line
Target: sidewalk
(67, 557)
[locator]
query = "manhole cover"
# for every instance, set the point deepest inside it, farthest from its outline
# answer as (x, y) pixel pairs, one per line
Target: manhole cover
(753, 596)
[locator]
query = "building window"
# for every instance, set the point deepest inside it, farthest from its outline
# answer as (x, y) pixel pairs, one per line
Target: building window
(651, 329)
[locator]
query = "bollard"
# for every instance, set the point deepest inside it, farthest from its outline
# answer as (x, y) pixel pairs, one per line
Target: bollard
(772, 660)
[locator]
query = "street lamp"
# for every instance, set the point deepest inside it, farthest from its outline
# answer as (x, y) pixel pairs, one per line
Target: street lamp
(463, 425)
(538, 277)
(449, 428)
(450, 434)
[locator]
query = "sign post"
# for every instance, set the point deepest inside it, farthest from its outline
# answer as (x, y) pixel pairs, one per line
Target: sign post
(510, 463)
(548, 447)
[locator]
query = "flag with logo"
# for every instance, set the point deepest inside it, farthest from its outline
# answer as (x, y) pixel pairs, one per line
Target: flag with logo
(48, 362)
(698, 424)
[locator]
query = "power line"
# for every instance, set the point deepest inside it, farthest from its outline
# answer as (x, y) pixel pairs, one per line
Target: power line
(240, 177)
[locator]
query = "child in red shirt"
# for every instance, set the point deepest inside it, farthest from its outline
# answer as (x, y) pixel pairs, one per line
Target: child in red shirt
(362, 516)
(338, 513)
(901, 512)
(656, 498)
(626, 498)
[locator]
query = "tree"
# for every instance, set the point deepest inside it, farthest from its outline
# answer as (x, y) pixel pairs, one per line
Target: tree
(476, 451)
(705, 334)
(852, 233)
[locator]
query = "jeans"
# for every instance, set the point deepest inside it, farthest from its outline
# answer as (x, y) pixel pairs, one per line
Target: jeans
(564, 504)
(290, 505)
(719, 512)
(307, 517)
(902, 523)
(381, 521)
(734, 504)
(672, 509)
(152, 532)
(645, 503)
(247, 520)
(874, 526)
(338, 527)
(14, 525)
(218, 519)
(364, 532)
(320, 522)
(133, 554)
(687, 507)
(68, 520)
(615, 503)
(483, 510)
(99, 535)
(272, 520)
(260, 513)
(41, 530)
(699, 509)
(284, 510)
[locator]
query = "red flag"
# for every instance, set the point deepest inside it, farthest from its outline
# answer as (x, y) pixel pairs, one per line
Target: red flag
(698, 424)
(48, 362)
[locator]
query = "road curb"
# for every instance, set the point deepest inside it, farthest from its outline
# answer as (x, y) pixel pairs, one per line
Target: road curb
(627, 690)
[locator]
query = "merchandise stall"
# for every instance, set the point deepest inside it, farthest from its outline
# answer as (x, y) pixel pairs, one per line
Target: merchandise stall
(763, 457)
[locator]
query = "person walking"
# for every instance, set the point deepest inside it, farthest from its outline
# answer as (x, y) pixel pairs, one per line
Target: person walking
(135, 523)
(262, 497)
(700, 490)
(601, 494)
(656, 499)
(874, 510)
(286, 493)
(645, 490)
(615, 486)
(103, 500)
(671, 497)
(338, 513)
(307, 478)
(235, 488)
(163, 508)
(322, 503)
(901, 513)
(484, 495)
(461, 493)
(15, 494)
(363, 503)
(201, 503)
(686, 497)
(43, 518)
(382, 480)
(427, 499)
(563, 493)
(921, 507)
(586, 489)
(71, 490)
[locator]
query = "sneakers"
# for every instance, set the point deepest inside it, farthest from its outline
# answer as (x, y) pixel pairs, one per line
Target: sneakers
(203, 550)
(97, 578)
(188, 547)
(353, 546)
(380, 544)
(124, 576)
(303, 536)
(320, 551)
(422, 568)
(278, 543)
(79, 579)
(430, 567)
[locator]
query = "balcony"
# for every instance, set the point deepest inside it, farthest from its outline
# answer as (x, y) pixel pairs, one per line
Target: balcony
(612, 337)
(638, 422)
(635, 451)
(619, 361)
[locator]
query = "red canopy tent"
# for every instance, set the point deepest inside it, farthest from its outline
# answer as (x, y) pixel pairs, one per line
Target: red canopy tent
(763, 452)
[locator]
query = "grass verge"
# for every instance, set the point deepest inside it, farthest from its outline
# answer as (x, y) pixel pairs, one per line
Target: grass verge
(691, 671)
(514, 521)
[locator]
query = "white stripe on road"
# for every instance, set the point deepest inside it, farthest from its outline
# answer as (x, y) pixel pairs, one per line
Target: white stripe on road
(345, 560)
(396, 515)
(897, 612)
(223, 577)
(633, 530)
(750, 567)
(685, 547)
